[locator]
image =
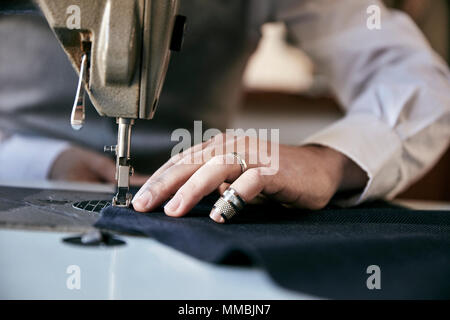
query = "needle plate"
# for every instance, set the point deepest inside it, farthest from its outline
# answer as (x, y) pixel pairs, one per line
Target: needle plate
(91, 205)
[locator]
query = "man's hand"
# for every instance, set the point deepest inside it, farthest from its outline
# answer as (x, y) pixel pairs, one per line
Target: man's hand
(81, 165)
(307, 177)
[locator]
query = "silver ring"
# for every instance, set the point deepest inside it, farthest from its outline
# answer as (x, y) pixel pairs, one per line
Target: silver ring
(241, 161)
(229, 204)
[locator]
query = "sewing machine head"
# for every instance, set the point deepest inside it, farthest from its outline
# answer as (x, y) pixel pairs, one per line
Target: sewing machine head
(121, 51)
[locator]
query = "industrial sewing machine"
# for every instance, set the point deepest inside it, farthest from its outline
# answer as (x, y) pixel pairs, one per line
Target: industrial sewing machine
(121, 51)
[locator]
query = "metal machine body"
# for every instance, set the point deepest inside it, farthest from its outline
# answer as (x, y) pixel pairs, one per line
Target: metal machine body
(121, 51)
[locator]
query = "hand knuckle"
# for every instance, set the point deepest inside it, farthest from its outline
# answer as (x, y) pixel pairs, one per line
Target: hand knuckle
(207, 154)
(158, 185)
(176, 158)
(242, 139)
(219, 138)
(192, 190)
(193, 187)
(217, 160)
(184, 160)
(255, 174)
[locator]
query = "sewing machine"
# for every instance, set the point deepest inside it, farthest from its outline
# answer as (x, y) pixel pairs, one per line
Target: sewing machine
(121, 51)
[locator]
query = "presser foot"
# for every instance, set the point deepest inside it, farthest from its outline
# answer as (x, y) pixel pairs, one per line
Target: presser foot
(122, 199)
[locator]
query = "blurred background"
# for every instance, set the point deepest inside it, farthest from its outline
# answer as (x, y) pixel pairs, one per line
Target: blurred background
(283, 91)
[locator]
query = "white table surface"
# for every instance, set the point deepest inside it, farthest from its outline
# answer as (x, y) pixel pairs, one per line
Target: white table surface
(33, 265)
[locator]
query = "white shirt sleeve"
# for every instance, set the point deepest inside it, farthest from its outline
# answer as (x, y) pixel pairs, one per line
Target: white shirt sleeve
(394, 88)
(28, 159)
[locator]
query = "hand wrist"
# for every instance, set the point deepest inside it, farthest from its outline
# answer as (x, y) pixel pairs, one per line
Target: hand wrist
(344, 174)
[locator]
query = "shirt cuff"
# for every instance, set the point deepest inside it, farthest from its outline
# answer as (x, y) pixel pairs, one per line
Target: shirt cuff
(26, 159)
(372, 145)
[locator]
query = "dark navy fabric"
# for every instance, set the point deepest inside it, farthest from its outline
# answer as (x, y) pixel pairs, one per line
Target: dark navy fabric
(324, 253)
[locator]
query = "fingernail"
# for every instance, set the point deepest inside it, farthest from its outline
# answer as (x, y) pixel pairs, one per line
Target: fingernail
(144, 199)
(216, 216)
(174, 203)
